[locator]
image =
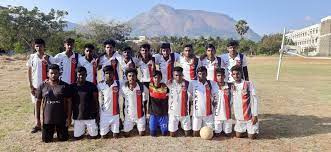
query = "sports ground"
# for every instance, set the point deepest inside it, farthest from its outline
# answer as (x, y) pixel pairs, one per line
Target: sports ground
(294, 113)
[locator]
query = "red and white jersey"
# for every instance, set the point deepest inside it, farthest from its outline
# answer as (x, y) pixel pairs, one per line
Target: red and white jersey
(178, 98)
(189, 67)
(223, 103)
(146, 70)
(113, 61)
(203, 96)
(230, 62)
(67, 66)
(131, 64)
(38, 69)
(245, 101)
(134, 100)
(212, 66)
(91, 68)
(109, 98)
(166, 66)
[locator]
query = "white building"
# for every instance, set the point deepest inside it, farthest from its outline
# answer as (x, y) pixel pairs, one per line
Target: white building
(308, 39)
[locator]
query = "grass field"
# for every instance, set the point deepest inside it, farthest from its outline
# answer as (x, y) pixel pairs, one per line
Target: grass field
(295, 113)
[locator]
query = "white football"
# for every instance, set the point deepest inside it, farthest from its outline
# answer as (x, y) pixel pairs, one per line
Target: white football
(206, 133)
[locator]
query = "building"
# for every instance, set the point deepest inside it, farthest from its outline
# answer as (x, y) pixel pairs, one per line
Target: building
(313, 40)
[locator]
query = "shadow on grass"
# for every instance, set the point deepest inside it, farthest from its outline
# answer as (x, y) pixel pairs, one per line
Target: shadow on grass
(273, 126)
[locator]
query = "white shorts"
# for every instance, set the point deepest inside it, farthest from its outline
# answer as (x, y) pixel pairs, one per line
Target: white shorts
(81, 125)
(33, 99)
(223, 125)
(130, 122)
(243, 126)
(107, 121)
(200, 121)
(185, 122)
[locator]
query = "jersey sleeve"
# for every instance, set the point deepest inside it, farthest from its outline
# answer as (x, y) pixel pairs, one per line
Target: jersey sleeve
(55, 59)
(145, 94)
(101, 98)
(156, 57)
(190, 89)
(29, 62)
(254, 98)
(177, 57)
(69, 91)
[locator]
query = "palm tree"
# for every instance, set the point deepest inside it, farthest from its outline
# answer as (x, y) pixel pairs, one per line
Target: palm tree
(242, 28)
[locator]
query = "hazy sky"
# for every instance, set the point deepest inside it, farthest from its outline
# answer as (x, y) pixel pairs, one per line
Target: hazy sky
(263, 16)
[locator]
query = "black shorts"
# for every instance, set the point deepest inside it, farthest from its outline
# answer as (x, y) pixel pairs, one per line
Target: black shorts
(48, 132)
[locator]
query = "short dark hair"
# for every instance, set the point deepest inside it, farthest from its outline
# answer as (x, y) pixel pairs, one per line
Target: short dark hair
(165, 46)
(39, 41)
(178, 69)
(145, 46)
(210, 46)
(188, 45)
(127, 49)
(108, 68)
(236, 68)
(109, 42)
(54, 67)
(202, 69)
(232, 43)
(81, 69)
(69, 41)
(220, 71)
(89, 45)
(131, 70)
(157, 72)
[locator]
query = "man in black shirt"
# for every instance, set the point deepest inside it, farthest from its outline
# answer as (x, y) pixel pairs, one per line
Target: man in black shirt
(158, 106)
(55, 96)
(84, 105)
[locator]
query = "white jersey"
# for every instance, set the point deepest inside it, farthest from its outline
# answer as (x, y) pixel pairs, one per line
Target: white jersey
(134, 100)
(166, 66)
(91, 68)
(245, 101)
(109, 98)
(203, 96)
(230, 62)
(67, 66)
(146, 70)
(131, 64)
(223, 103)
(113, 61)
(189, 67)
(212, 66)
(178, 98)
(38, 69)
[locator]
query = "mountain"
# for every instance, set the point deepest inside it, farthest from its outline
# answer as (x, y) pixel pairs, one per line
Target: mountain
(165, 20)
(70, 26)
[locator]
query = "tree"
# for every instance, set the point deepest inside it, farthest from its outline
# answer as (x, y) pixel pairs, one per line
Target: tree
(100, 30)
(270, 44)
(241, 28)
(20, 26)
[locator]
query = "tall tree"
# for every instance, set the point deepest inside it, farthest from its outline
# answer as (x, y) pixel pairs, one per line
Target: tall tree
(242, 28)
